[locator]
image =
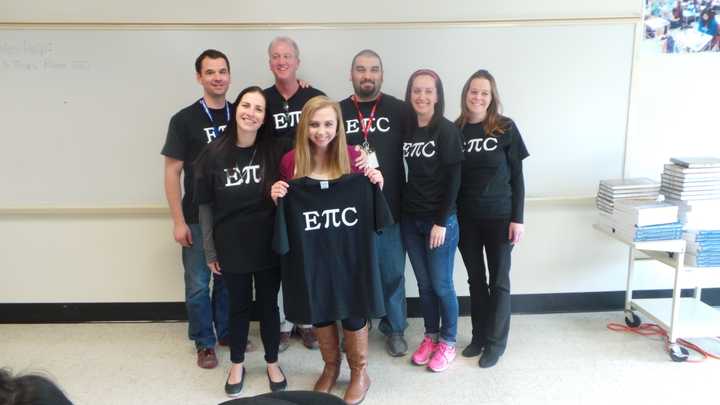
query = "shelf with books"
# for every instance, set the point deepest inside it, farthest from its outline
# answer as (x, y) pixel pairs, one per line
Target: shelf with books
(680, 317)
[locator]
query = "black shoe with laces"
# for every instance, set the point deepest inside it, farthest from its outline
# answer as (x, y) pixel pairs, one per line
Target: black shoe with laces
(488, 359)
(473, 349)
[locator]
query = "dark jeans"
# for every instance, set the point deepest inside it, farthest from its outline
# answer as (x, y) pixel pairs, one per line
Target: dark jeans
(391, 259)
(207, 311)
(350, 324)
(240, 289)
(489, 300)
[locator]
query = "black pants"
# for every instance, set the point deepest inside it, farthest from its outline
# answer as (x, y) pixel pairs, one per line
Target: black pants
(240, 294)
(489, 299)
(350, 324)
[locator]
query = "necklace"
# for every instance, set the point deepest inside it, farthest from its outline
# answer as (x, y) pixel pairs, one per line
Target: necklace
(252, 157)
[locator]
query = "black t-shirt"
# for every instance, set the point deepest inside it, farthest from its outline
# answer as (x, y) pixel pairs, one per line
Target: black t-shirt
(326, 234)
(492, 180)
(428, 152)
(189, 131)
(285, 120)
(385, 134)
(243, 213)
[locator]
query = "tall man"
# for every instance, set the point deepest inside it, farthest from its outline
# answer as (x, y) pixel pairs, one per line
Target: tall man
(378, 122)
(189, 131)
(285, 101)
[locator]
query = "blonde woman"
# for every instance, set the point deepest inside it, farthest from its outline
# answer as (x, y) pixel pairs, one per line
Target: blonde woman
(331, 269)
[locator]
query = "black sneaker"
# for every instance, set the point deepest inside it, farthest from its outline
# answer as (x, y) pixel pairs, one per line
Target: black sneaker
(473, 349)
(488, 359)
(396, 345)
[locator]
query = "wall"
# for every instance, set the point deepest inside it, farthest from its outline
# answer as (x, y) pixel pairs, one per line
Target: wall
(319, 11)
(129, 257)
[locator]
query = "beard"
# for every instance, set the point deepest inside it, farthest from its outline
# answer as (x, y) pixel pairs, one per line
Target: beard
(369, 93)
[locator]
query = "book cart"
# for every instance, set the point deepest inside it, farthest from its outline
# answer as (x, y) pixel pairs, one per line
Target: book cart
(680, 317)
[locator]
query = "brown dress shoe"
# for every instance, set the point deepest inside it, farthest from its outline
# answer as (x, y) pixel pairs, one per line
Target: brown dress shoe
(206, 358)
(356, 349)
(308, 337)
(329, 348)
(284, 341)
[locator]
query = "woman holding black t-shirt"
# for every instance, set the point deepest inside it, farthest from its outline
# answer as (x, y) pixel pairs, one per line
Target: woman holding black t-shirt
(234, 175)
(429, 225)
(321, 154)
(490, 212)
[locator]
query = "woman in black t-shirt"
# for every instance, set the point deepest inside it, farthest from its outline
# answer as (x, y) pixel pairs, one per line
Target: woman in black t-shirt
(490, 212)
(432, 152)
(321, 153)
(233, 179)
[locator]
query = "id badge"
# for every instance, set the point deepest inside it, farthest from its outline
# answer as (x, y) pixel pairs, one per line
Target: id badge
(372, 160)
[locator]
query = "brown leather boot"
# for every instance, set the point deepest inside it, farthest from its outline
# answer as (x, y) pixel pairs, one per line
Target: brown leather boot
(329, 342)
(356, 350)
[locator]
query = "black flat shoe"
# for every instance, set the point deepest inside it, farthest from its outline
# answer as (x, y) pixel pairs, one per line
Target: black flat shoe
(234, 390)
(277, 386)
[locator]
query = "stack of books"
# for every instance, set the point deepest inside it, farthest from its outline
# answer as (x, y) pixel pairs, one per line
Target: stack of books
(698, 214)
(612, 191)
(693, 184)
(703, 248)
(691, 179)
(642, 220)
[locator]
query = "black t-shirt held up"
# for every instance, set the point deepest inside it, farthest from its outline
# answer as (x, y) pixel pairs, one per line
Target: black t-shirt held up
(492, 184)
(285, 114)
(432, 157)
(324, 231)
(243, 213)
(386, 132)
(189, 131)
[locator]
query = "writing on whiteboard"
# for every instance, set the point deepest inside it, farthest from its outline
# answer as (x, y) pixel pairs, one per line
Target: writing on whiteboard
(32, 56)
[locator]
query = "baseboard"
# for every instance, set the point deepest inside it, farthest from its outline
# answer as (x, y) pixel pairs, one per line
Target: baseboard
(175, 311)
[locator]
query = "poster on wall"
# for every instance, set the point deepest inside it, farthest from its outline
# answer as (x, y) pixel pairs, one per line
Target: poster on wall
(673, 26)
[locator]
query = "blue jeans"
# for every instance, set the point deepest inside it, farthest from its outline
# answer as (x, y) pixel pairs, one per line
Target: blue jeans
(204, 310)
(391, 258)
(433, 270)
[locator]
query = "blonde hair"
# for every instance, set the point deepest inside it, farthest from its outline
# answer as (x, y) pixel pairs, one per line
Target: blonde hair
(338, 159)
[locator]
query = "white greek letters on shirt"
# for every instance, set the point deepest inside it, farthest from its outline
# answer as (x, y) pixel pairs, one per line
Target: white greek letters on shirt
(210, 132)
(246, 175)
(334, 218)
(480, 144)
(419, 149)
(285, 120)
(381, 124)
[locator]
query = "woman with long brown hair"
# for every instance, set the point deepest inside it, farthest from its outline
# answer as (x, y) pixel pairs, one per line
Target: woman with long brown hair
(233, 178)
(490, 212)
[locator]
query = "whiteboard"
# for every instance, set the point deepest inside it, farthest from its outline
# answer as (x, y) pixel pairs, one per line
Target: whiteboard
(84, 112)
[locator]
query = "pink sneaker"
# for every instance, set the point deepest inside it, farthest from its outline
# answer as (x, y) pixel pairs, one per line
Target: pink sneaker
(423, 352)
(443, 356)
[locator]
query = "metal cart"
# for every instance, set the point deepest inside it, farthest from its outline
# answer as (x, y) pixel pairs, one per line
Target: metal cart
(687, 317)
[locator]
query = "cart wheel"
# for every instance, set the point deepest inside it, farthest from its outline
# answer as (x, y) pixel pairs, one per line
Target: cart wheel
(678, 353)
(634, 322)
